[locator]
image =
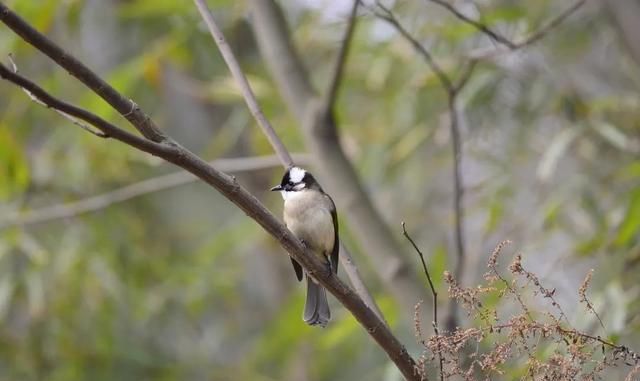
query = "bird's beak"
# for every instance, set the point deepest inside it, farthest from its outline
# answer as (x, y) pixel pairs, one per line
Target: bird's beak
(276, 188)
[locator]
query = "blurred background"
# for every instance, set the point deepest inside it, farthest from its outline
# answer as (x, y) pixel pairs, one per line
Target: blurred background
(167, 280)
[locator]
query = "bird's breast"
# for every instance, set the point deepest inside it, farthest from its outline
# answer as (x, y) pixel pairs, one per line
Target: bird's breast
(309, 218)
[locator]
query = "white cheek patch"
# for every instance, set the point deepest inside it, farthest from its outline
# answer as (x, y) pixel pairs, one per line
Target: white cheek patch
(299, 186)
(296, 174)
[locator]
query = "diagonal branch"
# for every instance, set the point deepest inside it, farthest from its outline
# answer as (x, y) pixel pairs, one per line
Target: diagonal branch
(225, 184)
(240, 78)
(105, 127)
(553, 23)
(128, 192)
(476, 24)
(533, 37)
(123, 105)
(64, 115)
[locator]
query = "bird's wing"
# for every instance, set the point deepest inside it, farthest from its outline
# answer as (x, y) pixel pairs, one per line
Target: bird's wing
(297, 268)
(336, 240)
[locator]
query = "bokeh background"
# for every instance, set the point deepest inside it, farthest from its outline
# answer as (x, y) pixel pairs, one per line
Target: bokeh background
(178, 284)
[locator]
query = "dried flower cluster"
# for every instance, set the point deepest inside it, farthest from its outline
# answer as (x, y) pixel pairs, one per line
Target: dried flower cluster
(527, 344)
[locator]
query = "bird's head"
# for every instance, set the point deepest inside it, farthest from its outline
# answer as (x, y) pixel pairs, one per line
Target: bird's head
(295, 179)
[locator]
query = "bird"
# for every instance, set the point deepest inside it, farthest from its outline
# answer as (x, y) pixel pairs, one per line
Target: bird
(310, 214)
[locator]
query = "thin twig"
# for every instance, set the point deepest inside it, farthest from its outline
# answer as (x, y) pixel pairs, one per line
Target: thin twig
(582, 292)
(331, 95)
(73, 120)
(483, 54)
(141, 121)
(433, 293)
(540, 33)
(56, 104)
(476, 24)
(388, 16)
(465, 76)
(240, 78)
(141, 188)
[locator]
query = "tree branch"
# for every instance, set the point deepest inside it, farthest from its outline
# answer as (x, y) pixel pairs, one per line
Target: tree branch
(172, 152)
(384, 13)
(346, 260)
(247, 93)
(331, 96)
(476, 24)
(510, 45)
(334, 168)
(66, 116)
(107, 128)
(126, 107)
(141, 188)
(533, 37)
(553, 23)
(433, 293)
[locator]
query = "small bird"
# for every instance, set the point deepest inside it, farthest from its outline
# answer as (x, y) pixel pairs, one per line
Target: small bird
(311, 216)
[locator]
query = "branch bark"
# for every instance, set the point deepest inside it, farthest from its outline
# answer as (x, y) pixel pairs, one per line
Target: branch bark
(158, 144)
(238, 75)
(336, 171)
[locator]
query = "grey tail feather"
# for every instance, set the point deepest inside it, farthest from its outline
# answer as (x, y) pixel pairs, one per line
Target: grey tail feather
(316, 308)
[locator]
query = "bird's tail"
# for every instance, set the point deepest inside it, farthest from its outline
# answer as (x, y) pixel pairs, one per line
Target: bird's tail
(316, 308)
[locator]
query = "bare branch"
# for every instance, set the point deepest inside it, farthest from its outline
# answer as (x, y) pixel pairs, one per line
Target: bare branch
(346, 260)
(141, 188)
(465, 76)
(123, 105)
(61, 106)
(458, 191)
(483, 54)
(384, 13)
(433, 293)
(162, 146)
(67, 116)
(240, 78)
(331, 95)
(476, 24)
(542, 32)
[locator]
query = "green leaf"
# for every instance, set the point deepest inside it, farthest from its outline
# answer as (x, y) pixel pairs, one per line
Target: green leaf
(630, 225)
(496, 211)
(14, 169)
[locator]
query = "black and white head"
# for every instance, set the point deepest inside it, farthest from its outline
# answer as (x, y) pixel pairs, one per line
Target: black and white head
(295, 180)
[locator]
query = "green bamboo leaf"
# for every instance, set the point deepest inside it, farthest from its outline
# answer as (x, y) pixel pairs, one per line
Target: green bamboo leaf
(630, 225)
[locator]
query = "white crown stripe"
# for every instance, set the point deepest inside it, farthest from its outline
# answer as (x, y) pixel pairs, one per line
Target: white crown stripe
(296, 174)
